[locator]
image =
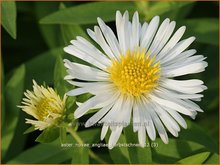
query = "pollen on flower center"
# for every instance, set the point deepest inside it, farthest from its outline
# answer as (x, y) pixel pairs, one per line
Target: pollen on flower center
(45, 107)
(135, 73)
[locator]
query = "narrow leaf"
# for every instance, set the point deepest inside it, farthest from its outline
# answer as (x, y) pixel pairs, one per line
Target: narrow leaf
(88, 13)
(8, 14)
(48, 135)
(205, 30)
(138, 155)
(15, 83)
(195, 159)
(80, 155)
(55, 153)
(119, 154)
(29, 130)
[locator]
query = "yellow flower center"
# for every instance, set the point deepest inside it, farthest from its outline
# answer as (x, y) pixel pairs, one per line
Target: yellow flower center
(45, 107)
(135, 73)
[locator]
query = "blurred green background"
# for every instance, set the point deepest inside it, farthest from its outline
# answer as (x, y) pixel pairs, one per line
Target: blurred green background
(33, 36)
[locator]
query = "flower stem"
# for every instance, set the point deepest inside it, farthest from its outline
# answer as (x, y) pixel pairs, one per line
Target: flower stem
(80, 141)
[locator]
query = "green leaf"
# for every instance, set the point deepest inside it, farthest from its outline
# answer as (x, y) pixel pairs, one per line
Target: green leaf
(205, 30)
(193, 132)
(48, 135)
(80, 155)
(195, 159)
(54, 152)
(43, 73)
(70, 32)
(2, 96)
(62, 135)
(61, 85)
(49, 32)
(174, 150)
(138, 155)
(9, 17)
(36, 154)
(159, 8)
(213, 159)
(119, 154)
(15, 83)
(29, 130)
(88, 13)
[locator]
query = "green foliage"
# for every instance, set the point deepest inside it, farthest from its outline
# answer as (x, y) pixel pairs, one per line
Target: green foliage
(15, 83)
(119, 155)
(29, 130)
(138, 155)
(49, 32)
(205, 30)
(213, 159)
(193, 132)
(195, 159)
(59, 73)
(44, 29)
(48, 135)
(161, 8)
(54, 152)
(80, 156)
(175, 150)
(70, 32)
(43, 73)
(8, 13)
(62, 135)
(87, 13)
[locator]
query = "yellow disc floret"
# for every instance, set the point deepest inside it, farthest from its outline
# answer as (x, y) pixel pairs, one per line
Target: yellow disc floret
(46, 106)
(135, 73)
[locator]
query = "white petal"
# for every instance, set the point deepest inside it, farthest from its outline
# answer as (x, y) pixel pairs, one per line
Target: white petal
(104, 131)
(177, 94)
(84, 72)
(102, 42)
(177, 117)
(135, 31)
(142, 136)
(188, 69)
(110, 37)
(181, 58)
(86, 47)
(178, 48)
(159, 35)
(172, 42)
(184, 86)
(170, 124)
(97, 116)
(171, 104)
(95, 88)
(136, 118)
(111, 114)
(92, 35)
(122, 24)
(86, 106)
(83, 56)
(165, 37)
(114, 137)
(125, 114)
(143, 31)
(77, 91)
(146, 118)
(160, 128)
(150, 32)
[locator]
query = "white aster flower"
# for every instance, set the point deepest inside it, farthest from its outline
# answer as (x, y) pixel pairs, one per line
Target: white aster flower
(133, 77)
(44, 104)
